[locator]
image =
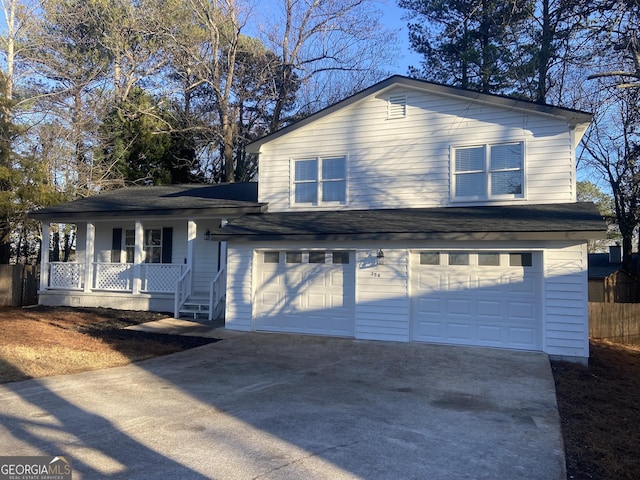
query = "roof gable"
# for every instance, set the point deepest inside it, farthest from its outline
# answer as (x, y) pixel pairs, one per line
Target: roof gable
(575, 119)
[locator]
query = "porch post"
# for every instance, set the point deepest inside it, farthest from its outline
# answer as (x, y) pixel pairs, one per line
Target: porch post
(88, 256)
(44, 256)
(192, 231)
(138, 257)
(223, 255)
(223, 248)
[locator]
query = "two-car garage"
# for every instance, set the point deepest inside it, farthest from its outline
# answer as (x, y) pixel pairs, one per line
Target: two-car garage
(485, 298)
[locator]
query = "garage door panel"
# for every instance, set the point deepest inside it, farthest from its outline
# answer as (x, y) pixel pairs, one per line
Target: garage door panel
(429, 305)
(476, 304)
(522, 310)
(522, 336)
(459, 307)
(459, 331)
(316, 301)
(489, 333)
(489, 308)
(305, 297)
(525, 286)
(432, 330)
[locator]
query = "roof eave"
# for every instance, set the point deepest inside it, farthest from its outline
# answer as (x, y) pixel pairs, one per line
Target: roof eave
(71, 217)
(574, 235)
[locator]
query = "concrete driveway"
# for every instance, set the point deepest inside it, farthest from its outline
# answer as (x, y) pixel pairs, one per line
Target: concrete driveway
(269, 406)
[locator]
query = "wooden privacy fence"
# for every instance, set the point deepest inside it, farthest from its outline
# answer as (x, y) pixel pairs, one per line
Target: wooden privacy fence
(19, 285)
(616, 322)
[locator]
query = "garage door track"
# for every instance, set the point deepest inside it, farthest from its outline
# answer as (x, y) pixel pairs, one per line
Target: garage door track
(273, 406)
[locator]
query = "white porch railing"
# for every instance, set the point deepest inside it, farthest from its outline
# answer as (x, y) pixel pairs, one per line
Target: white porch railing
(160, 277)
(217, 291)
(66, 275)
(183, 289)
(117, 277)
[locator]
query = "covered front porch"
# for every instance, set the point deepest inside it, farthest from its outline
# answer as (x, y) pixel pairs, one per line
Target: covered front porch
(145, 248)
(167, 266)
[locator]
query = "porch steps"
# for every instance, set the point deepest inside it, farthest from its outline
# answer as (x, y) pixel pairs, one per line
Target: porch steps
(195, 308)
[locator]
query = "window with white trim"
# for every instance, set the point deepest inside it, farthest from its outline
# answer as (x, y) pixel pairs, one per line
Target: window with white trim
(152, 245)
(487, 172)
(320, 181)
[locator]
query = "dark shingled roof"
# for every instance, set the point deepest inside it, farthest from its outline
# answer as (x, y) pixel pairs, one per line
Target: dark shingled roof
(554, 221)
(238, 198)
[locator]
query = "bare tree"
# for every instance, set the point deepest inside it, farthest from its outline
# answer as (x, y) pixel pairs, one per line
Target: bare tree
(611, 148)
(617, 32)
(326, 48)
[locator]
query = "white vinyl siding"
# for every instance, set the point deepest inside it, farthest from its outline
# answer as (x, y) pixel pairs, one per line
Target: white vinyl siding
(382, 309)
(205, 266)
(565, 303)
(399, 164)
(239, 301)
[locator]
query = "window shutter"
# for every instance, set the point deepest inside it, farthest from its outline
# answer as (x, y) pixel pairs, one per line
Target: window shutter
(167, 244)
(116, 245)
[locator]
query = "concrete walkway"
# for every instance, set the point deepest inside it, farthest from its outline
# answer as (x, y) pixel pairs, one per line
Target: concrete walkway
(270, 406)
(174, 326)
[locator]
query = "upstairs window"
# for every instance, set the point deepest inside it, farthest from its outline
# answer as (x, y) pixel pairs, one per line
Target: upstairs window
(320, 180)
(488, 172)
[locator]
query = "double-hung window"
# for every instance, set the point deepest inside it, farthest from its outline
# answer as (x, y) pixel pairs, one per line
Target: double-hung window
(152, 245)
(488, 172)
(320, 180)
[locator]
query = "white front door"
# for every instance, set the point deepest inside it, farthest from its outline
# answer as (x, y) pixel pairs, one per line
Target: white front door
(477, 298)
(305, 292)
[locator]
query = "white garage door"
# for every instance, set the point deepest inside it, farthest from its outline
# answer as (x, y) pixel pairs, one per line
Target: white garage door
(305, 292)
(477, 298)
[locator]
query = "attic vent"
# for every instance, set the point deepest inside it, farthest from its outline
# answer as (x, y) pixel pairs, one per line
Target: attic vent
(397, 106)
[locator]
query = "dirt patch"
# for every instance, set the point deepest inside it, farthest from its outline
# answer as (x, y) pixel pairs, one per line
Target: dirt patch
(600, 413)
(44, 341)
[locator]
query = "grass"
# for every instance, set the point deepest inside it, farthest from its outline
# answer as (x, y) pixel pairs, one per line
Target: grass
(599, 405)
(40, 342)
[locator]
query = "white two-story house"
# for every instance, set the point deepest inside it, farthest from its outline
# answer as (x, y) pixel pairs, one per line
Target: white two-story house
(410, 212)
(417, 212)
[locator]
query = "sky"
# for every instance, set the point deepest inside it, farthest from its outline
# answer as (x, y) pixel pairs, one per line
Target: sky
(392, 19)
